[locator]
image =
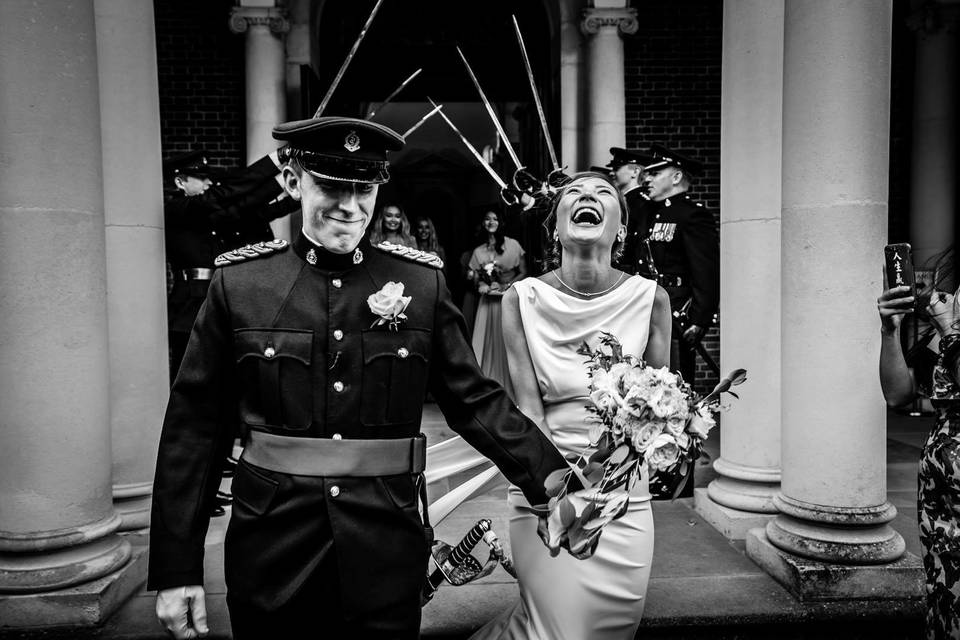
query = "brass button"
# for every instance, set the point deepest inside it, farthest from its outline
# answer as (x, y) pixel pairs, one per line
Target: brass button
(338, 386)
(334, 491)
(337, 283)
(337, 436)
(337, 334)
(402, 352)
(269, 352)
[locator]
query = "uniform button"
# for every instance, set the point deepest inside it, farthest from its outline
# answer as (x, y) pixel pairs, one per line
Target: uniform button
(337, 283)
(334, 491)
(269, 352)
(338, 386)
(337, 334)
(402, 352)
(337, 436)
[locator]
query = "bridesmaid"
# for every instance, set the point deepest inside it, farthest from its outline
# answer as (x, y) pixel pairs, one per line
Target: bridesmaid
(392, 226)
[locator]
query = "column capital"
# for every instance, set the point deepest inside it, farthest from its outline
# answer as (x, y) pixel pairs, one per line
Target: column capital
(242, 18)
(935, 16)
(596, 19)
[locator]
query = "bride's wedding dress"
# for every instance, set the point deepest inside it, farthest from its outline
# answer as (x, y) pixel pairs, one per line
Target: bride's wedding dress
(562, 598)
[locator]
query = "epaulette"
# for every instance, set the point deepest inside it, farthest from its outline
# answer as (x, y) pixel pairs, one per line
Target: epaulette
(414, 255)
(251, 251)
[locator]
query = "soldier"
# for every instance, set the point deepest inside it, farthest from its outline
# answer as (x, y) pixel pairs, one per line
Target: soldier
(626, 169)
(323, 350)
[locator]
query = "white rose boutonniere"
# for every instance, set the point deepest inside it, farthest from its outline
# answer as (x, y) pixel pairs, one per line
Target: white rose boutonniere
(389, 303)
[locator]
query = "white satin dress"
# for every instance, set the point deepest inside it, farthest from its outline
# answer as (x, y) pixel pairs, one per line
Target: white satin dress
(562, 598)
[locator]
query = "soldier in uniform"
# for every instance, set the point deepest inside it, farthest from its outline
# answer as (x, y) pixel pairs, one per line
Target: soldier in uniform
(324, 351)
(205, 214)
(626, 169)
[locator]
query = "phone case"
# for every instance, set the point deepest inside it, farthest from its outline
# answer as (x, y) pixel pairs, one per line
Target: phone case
(900, 273)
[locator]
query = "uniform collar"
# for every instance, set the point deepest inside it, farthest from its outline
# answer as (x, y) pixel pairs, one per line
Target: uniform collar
(318, 257)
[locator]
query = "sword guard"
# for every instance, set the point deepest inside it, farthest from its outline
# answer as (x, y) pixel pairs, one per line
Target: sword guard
(557, 178)
(525, 181)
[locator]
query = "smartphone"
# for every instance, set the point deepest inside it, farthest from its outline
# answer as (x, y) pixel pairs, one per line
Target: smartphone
(900, 272)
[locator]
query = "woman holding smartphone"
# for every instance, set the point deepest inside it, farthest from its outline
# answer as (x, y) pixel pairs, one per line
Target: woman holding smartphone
(939, 471)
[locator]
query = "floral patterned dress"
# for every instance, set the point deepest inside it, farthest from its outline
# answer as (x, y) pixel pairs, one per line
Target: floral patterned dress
(939, 509)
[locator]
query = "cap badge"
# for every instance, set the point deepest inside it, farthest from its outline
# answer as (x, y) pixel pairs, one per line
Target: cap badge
(352, 142)
(312, 256)
(357, 256)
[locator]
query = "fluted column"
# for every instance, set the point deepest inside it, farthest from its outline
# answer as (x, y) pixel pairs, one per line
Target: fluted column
(266, 94)
(835, 515)
(136, 305)
(750, 155)
(936, 111)
(57, 521)
(606, 100)
(571, 87)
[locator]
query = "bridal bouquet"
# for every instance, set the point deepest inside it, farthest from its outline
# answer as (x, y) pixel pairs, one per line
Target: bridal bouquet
(489, 273)
(639, 415)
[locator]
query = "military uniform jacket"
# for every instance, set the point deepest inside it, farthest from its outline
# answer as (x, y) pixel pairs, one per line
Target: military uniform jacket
(638, 206)
(684, 243)
(292, 348)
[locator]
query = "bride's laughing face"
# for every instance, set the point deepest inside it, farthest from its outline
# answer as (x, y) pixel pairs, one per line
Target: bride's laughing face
(588, 213)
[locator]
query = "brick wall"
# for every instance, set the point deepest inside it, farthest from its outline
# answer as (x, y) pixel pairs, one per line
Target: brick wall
(201, 77)
(673, 97)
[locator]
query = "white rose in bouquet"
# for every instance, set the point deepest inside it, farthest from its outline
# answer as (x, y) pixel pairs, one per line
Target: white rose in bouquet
(668, 401)
(663, 453)
(646, 435)
(702, 422)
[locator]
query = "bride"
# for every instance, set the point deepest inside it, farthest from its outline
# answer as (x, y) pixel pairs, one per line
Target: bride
(545, 320)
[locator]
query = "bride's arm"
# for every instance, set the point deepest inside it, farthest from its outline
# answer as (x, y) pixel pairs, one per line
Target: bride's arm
(518, 357)
(657, 353)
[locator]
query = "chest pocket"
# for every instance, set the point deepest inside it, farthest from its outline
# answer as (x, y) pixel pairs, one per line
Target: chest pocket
(394, 381)
(274, 370)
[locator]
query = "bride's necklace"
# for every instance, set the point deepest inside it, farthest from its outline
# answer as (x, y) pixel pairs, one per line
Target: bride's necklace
(584, 293)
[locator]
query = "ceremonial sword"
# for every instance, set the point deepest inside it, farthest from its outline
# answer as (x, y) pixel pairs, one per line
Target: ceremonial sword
(394, 94)
(557, 177)
(346, 63)
(419, 122)
(530, 183)
(455, 566)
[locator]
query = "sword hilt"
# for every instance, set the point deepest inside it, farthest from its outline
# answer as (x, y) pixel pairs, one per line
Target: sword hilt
(462, 550)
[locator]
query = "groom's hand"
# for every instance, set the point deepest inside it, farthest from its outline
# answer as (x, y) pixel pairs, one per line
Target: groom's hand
(183, 611)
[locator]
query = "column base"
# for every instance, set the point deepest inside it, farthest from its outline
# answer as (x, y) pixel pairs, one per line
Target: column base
(813, 580)
(134, 512)
(732, 523)
(85, 605)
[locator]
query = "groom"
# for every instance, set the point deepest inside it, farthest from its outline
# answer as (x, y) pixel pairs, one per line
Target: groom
(321, 353)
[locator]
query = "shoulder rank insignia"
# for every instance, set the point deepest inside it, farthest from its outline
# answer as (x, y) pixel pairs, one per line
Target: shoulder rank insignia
(251, 251)
(414, 255)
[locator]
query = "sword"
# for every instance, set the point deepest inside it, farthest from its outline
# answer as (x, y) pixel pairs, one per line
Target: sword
(422, 120)
(455, 566)
(536, 97)
(394, 94)
(508, 195)
(346, 63)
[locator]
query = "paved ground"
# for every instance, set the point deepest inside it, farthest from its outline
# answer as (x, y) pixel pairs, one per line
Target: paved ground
(702, 585)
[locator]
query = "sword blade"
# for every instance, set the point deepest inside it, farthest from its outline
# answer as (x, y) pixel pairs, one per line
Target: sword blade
(422, 120)
(346, 63)
(491, 112)
(470, 147)
(536, 96)
(394, 94)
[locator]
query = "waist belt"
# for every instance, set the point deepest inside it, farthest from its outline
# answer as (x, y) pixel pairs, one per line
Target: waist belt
(335, 458)
(198, 273)
(669, 280)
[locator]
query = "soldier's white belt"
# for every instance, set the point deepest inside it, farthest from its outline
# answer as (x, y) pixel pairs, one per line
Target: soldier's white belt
(325, 457)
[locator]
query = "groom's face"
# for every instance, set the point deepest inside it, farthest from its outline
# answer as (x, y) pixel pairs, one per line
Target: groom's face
(589, 213)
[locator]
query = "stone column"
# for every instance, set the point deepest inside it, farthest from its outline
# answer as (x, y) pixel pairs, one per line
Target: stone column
(834, 519)
(57, 521)
(606, 109)
(936, 103)
(750, 154)
(266, 92)
(571, 87)
(136, 280)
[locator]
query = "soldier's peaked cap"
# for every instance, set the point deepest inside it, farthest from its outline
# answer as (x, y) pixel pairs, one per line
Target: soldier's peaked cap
(664, 157)
(340, 148)
(193, 163)
(623, 156)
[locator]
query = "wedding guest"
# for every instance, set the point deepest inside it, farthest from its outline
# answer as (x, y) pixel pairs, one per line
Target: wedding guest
(427, 239)
(392, 226)
(939, 471)
(496, 263)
